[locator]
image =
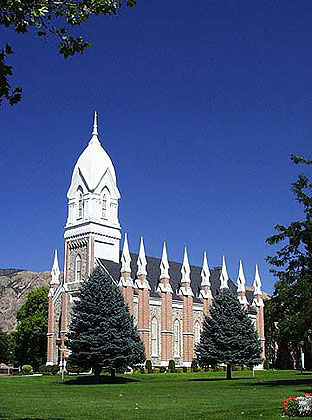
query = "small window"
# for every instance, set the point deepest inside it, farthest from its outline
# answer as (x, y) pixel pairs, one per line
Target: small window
(104, 207)
(80, 206)
(154, 337)
(176, 338)
(78, 268)
(197, 332)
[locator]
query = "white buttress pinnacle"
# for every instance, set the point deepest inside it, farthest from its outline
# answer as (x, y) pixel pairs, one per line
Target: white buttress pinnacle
(185, 269)
(55, 271)
(164, 264)
(241, 281)
(142, 259)
(224, 278)
(125, 257)
(205, 273)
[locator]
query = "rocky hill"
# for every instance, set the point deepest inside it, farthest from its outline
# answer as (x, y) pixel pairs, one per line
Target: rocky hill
(14, 286)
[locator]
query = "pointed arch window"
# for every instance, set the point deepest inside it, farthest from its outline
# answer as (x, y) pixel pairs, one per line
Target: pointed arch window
(176, 338)
(80, 205)
(154, 337)
(78, 268)
(104, 206)
(197, 332)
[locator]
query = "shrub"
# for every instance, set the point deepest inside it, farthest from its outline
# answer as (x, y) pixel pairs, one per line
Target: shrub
(171, 366)
(184, 369)
(162, 369)
(27, 370)
(266, 364)
(44, 369)
(194, 366)
(149, 366)
(54, 369)
(74, 368)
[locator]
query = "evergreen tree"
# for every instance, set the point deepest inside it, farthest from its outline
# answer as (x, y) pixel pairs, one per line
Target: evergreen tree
(228, 335)
(32, 328)
(102, 333)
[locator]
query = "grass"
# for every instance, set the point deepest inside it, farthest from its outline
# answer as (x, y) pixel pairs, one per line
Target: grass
(155, 396)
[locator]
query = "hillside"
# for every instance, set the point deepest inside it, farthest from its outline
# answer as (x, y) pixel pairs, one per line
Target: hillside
(14, 286)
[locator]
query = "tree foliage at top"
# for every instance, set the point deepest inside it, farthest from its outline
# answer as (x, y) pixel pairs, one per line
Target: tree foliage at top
(49, 17)
(291, 304)
(32, 328)
(102, 333)
(228, 335)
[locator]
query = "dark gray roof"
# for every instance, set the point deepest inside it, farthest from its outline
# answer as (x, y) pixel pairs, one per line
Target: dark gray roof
(153, 273)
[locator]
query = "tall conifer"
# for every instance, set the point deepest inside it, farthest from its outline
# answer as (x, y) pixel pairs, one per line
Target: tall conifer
(228, 335)
(102, 333)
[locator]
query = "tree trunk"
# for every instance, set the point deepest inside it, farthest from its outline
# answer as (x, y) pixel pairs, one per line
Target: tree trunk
(97, 370)
(113, 373)
(228, 372)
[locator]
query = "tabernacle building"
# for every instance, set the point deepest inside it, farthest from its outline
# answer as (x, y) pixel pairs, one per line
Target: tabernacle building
(167, 299)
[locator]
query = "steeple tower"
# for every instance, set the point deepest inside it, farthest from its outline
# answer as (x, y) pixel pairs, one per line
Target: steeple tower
(92, 229)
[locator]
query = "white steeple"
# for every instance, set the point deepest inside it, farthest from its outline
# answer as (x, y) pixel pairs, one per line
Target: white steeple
(142, 259)
(224, 278)
(93, 200)
(125, 257)
(164, 265)
(257, 282)
(205, 273)
(185, 269)
(55, 271)
(241, 281)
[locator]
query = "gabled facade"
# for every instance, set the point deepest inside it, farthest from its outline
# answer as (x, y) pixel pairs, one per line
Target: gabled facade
(167, 299)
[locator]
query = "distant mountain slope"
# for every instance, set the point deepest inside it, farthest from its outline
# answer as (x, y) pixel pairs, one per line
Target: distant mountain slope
(14, 286)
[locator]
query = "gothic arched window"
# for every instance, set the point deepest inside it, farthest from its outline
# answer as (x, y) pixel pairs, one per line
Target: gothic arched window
(104, 206)
(154, 337)
(176, 338)
(78, 268)
(197, 332)
(80, 205)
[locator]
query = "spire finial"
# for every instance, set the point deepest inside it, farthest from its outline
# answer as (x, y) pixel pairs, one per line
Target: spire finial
(95, 130)
(224, 277)
(257, 282)
(55, 271)
(125, 257)
(164, 265)
(185, 269)
(142, 259)
(241, 281)
(205, 273)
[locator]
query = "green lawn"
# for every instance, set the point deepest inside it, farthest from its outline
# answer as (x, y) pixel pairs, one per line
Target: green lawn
(156, 396)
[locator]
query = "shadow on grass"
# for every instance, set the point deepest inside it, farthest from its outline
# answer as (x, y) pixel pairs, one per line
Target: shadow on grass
(30, 418)
(218, 379)
(103, 379)
(286, 382)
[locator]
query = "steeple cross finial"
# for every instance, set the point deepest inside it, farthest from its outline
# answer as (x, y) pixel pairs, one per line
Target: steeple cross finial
(95, 130)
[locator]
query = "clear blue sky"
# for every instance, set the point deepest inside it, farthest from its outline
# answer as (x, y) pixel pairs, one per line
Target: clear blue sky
(200, 106)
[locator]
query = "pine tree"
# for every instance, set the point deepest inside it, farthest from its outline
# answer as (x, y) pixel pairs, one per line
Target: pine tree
(228, 335)
(102, 333)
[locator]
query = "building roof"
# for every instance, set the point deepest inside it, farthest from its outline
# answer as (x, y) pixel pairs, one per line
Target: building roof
(153, 273)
